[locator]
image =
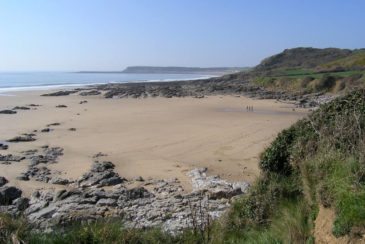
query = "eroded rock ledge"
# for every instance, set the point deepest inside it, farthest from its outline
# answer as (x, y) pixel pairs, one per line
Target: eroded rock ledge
(160, 203)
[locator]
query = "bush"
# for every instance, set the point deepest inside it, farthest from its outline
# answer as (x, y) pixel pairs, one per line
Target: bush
(325, 83)
(305, 81)
(276, 158)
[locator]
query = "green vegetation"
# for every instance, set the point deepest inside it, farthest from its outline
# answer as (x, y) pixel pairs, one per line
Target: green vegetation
(305, 70)
(103, 231)
(319, 161)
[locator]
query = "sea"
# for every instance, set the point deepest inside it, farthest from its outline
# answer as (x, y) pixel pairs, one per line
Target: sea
(23, 81)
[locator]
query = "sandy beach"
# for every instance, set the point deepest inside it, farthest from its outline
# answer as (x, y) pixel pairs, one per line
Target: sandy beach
(153, 137)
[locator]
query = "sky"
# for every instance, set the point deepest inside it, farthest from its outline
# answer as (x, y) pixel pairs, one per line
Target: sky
(72, 35)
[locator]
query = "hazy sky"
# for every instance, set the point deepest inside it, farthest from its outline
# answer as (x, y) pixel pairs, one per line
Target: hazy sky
(111, 34)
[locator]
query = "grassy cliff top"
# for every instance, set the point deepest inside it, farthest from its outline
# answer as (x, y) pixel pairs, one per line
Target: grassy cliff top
(307, 70)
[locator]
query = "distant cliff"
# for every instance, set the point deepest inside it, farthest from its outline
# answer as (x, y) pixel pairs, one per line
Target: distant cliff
(180, 70)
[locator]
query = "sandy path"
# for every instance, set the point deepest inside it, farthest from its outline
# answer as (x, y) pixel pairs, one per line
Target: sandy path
(153, 137)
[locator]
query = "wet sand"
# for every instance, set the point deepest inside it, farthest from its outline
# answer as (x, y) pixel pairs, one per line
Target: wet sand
(152, 137)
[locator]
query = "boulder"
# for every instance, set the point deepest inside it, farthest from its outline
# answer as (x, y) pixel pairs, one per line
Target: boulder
(3, 146)
(46, 130)
(3, 181)
(8, 194)
(21, 203)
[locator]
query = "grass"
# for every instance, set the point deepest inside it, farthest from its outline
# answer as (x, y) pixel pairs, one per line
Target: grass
(341, 189)
(100, 232)
(357, 59)
(307, 81)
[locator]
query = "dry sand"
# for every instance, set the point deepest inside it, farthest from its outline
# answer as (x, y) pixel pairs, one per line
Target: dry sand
(152, 137)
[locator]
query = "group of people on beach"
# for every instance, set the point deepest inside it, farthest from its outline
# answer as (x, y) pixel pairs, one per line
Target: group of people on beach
(249, 108)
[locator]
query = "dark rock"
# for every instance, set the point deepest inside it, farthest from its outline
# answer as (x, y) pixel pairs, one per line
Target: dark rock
(25, 138)
(30, 152)
(90, 93)
(139, 178)
(101, 167)
(61, 194)
(33, 105)
(100, 154)
(50, 156)
(46, 130)
(82, 102)
(61, 106)
(112, 181)
(3, 146)
(21, 203)
(3, 181)
(59, 181)
(60, 93)
(53, 124)
(21, 108)
(101, 174)
(23, 177)
(8, 194)
(140, 192)
(11, 158)
(72, 129)
(28, 134)
(7, 111)
(42, 174)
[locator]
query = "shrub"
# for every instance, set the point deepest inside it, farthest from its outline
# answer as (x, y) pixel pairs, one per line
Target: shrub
(276, 158)
(305, 81)
(325, 83)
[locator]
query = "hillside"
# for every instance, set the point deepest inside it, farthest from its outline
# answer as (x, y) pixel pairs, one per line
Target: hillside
(308, 70)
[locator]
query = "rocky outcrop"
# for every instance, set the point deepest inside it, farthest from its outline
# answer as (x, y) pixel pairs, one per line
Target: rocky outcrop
(161, 203)
(38, 170)
(24, 138)
(101, 174)
(215, 186)
(7, 111)
(10, 158)
(60, 93)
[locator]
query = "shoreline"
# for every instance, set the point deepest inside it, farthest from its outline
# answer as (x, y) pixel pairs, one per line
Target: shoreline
(46, 87)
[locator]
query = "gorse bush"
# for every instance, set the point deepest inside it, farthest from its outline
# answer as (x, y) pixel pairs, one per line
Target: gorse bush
(277, 157)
